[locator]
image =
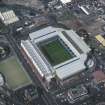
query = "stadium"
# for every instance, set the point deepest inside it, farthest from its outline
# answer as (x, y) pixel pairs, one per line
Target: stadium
(55, 52)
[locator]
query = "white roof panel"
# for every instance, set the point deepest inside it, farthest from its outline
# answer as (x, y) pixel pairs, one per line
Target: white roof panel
(71, 68)
(65, 1)
(41, 32)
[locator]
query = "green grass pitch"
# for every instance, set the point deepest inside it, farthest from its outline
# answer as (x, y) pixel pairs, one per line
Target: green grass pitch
(14, 73)
(55, 52)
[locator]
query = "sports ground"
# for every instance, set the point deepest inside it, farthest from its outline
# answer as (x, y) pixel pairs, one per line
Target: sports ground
(14, 73)
(55, 52)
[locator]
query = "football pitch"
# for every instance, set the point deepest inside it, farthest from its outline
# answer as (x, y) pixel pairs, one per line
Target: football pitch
(55, 52)
(14, 73)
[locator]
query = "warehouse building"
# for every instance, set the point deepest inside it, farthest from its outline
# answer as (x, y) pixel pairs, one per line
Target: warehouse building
(8, 17)
(55, 52)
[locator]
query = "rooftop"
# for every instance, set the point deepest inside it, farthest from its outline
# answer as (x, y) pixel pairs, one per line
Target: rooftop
(77, 92)
(99, 76)
(8, 17)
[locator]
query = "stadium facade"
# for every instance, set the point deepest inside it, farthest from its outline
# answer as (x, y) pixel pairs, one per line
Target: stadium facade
(55, 52)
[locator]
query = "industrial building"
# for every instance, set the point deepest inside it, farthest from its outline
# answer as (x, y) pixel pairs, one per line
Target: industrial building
(8, 17)
(55, 53)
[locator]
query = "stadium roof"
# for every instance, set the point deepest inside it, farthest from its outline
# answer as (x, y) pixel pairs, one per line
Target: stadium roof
(69, 39)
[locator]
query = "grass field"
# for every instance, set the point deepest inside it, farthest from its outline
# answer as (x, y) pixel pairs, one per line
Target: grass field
(55, 52)
(14, 73)
(3, 29)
